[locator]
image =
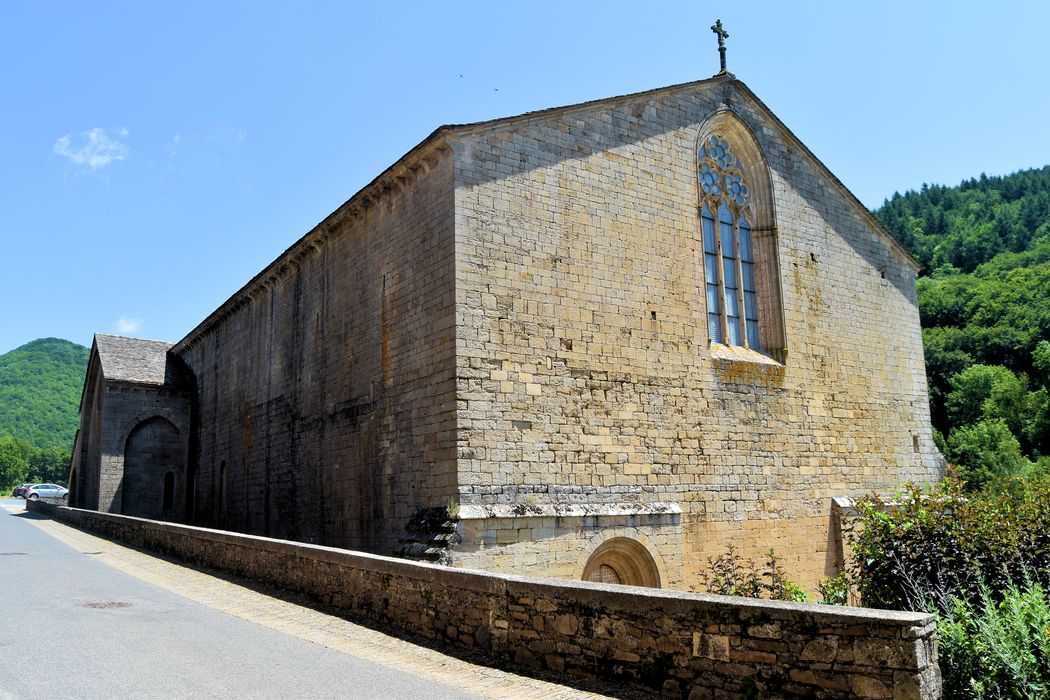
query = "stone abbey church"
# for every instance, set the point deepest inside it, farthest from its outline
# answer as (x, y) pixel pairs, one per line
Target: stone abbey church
(614, 338)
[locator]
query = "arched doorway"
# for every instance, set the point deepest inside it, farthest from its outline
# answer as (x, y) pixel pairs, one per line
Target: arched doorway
(153, 455)
(624, 561)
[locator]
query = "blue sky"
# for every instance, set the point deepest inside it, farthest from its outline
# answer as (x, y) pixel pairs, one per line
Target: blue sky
(157, 155)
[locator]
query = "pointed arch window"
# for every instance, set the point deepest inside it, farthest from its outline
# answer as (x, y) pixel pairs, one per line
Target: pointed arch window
(729, 261)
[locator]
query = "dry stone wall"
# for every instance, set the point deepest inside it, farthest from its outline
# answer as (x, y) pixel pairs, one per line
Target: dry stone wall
(676, 644)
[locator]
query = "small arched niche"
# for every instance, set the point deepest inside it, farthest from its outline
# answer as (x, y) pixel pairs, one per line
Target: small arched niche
(624, 561)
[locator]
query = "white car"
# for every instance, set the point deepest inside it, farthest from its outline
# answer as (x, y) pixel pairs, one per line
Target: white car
(46, 491)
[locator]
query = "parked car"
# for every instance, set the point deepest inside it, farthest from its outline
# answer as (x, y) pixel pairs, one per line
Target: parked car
(46, 491)
(20, 490)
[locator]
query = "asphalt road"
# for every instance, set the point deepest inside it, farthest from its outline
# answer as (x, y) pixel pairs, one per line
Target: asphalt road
(61, 636)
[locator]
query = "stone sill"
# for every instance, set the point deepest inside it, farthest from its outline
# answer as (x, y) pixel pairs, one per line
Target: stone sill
(567, 510)
(734, 353)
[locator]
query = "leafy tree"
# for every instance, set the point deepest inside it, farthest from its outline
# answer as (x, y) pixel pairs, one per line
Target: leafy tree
(987, 452)
(970, 224)
(1041, 363)
(984, 303)
(971, 398)
(49, 464)
(14, 461)
(1037, 425)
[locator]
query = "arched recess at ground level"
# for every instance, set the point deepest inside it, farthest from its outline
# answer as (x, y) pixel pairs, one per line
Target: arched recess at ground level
(153, 469)
(622, 560)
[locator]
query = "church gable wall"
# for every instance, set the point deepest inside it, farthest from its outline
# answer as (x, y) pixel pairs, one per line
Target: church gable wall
(585, 374)
(326, 390)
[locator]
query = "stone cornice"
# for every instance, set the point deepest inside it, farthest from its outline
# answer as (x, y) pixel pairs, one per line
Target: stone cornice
(565, 510)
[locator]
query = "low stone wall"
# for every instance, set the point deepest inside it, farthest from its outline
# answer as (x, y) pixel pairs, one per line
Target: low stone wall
(678, 644)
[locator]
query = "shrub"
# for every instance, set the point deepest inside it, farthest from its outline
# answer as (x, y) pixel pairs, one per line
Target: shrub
(730, 574)
(834, 590)
(929, 547)
(995, 648)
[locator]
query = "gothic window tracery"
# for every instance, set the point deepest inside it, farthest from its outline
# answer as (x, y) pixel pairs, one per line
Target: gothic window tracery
(729, 262)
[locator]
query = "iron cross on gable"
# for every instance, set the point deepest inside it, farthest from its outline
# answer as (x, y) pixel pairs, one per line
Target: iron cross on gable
(722, 36)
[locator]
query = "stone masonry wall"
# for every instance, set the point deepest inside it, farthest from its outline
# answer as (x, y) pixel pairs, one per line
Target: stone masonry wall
(678, 644)
(543, 540)
(584, 371)
(325, 387)
(126, 407)
(90, 442)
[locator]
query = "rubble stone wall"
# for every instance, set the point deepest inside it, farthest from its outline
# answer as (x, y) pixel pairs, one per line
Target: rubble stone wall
(678, 644)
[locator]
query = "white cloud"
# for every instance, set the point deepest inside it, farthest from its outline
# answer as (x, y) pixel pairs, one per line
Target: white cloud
(125, 324)
(173, 150)
(97, 150)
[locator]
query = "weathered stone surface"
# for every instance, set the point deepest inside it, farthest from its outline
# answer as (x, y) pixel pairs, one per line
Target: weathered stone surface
(821, 649)
(566, 624)
(769, 631)
(713, 646)
(869, 687)
(894, 653)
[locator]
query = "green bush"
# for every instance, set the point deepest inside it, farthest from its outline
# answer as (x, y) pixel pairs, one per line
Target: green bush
(931, 546)
(730, 574)
(834, 590)
(994, 648)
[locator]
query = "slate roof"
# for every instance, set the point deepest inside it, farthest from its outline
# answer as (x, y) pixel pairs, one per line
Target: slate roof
(132, 359)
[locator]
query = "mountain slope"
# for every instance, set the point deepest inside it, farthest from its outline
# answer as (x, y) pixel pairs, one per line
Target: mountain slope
(40, 385)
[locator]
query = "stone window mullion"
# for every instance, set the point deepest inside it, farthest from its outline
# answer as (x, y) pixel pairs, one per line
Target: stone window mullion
(738, 263)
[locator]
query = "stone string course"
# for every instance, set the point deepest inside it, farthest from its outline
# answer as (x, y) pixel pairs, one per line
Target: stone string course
(679, 645)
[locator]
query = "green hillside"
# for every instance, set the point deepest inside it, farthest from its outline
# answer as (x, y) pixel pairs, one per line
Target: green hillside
(40, 385)
(984, 300)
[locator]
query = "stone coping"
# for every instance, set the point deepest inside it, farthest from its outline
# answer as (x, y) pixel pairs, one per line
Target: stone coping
(627, 598)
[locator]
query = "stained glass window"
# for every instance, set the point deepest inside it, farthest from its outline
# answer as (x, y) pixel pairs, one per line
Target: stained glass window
(729, 264)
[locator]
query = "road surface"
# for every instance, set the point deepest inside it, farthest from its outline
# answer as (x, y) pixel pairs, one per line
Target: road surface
(86, 618)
